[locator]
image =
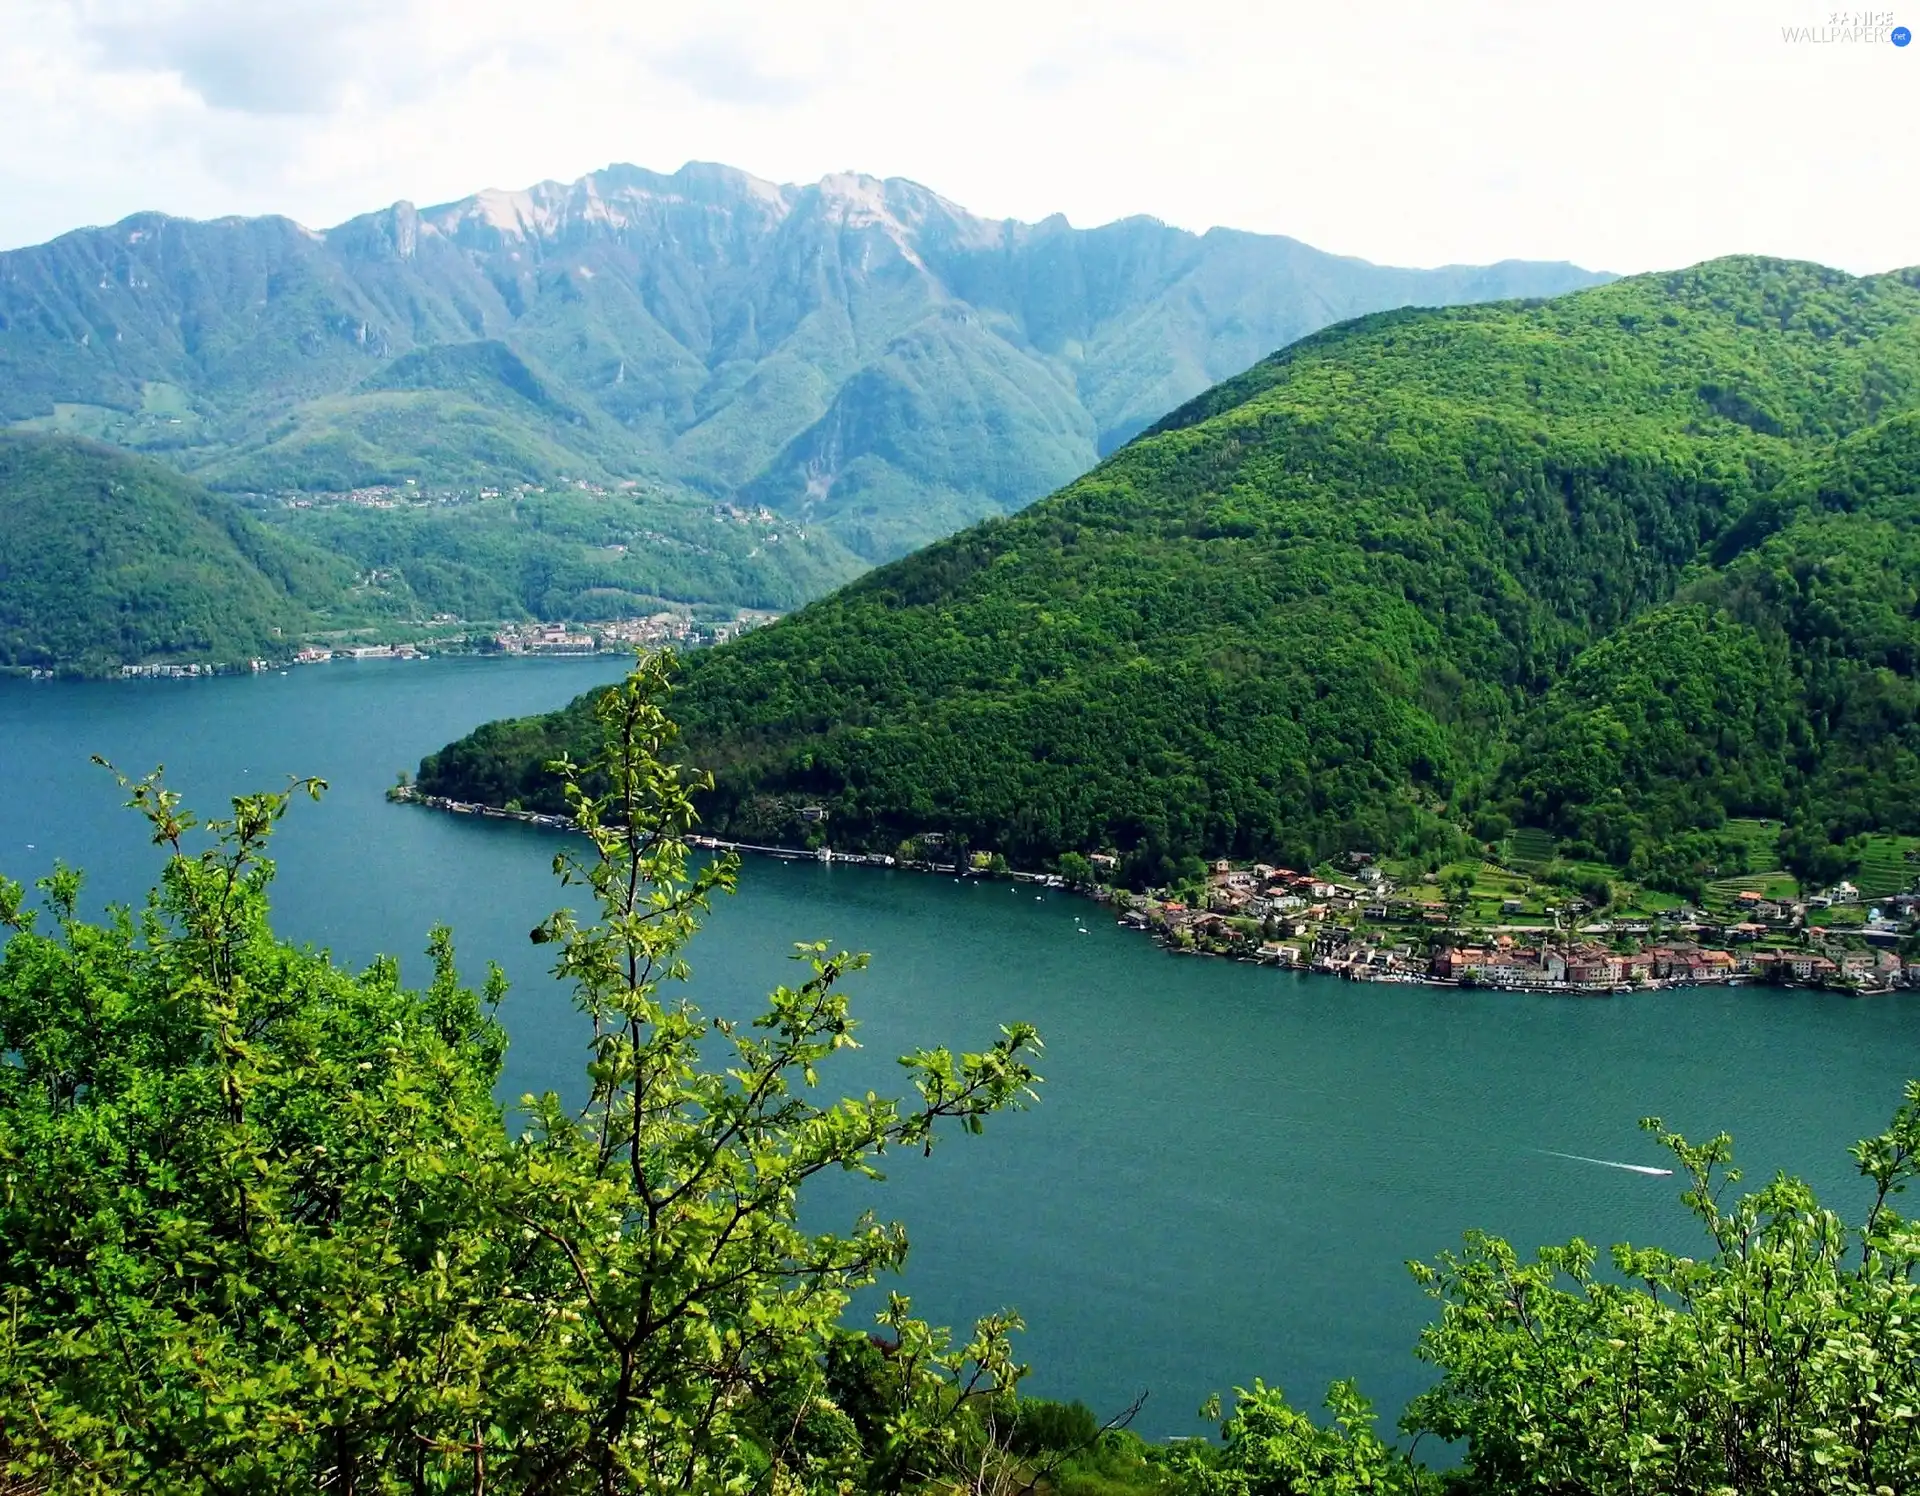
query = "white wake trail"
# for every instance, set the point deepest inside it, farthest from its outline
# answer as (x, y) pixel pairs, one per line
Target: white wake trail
(1608, 1163)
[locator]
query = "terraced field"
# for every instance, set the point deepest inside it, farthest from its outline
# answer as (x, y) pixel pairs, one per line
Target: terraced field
(1529, 847)
(1764, 874)
(1885, 868)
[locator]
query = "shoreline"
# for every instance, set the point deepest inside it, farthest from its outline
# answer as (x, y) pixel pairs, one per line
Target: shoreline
(1133, 916)
(226, 670)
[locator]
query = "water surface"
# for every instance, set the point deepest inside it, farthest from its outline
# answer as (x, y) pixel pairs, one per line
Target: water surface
(1230, 1165)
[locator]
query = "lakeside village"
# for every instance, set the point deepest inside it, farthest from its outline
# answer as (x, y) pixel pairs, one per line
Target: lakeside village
(615, 636)
(1353, 920)
(1358, 924)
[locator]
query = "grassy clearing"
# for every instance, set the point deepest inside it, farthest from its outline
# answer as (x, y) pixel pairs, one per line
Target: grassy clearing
(1762, 840)
(1775, 885)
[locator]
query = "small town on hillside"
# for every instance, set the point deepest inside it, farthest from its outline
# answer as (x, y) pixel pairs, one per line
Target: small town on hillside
(1356, 920)
(617, 636)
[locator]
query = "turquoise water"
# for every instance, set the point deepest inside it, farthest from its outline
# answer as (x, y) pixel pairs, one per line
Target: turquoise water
(1230, 1165)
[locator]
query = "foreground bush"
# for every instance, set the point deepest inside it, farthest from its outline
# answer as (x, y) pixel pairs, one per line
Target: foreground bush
(266, 1228)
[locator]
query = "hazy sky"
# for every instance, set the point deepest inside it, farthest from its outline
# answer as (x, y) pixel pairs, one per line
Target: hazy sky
(1625, 136)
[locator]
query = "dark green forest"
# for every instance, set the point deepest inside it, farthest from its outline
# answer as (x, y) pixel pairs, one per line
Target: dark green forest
(106, 558)
(266, 1228)
(1618, 565)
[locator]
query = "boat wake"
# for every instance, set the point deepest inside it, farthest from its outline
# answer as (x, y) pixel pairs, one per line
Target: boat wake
(1609, 1163)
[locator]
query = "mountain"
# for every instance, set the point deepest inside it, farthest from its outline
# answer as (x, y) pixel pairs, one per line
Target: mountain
(1617, 566)
(108, 558)
(859, 354)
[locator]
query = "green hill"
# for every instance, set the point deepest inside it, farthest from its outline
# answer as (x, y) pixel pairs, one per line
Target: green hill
(107, 558)
(458, 415)
(1363, 594)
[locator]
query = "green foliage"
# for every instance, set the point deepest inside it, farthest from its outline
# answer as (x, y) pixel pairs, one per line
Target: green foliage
(265, 1227)
(1273, 1450)
(1043, 1427)
(239, 1249)
(1786, 1361)
(107, 558)
(1616, 567)
(1076, 869)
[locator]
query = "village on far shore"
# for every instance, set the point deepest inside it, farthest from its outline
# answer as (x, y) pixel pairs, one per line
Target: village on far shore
(448, 635)
(1509, 922)
(1490, 924)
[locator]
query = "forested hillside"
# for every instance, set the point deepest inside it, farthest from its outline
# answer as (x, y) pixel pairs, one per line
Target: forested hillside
(1781, 683)
(1618, 565)
(859, 354)
(108, 558)
(560, 553)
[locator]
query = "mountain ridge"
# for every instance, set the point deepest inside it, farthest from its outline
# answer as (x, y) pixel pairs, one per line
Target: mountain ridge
(728, 335)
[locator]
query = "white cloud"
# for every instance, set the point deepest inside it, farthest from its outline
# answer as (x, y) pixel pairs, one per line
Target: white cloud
(292, 57)
(1632, 136)
(721, 70)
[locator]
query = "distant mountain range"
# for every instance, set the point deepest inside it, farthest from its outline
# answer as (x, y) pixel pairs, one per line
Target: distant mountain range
(860, 355)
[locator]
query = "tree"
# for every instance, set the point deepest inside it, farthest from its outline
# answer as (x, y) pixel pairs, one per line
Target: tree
(1076, 869)
(1271, 1449)
(668, 1207)
(266, 1228)
(1786, 1361)
(240, 1250)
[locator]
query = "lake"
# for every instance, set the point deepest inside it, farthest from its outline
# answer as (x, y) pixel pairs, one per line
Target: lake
(1230, 1164)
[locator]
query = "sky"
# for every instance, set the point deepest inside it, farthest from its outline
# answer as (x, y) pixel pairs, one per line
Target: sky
(1624, 135)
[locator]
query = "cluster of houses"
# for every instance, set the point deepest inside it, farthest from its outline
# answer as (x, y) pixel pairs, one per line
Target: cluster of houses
(1588, 967)
(320, 654)
(515, 639)
(544, 638)
(409, 492)
(623, 633)
(1358, 928)
(162, 672)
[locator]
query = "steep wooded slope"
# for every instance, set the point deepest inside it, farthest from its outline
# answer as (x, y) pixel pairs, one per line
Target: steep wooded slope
(1313, 607)
(108, 558)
